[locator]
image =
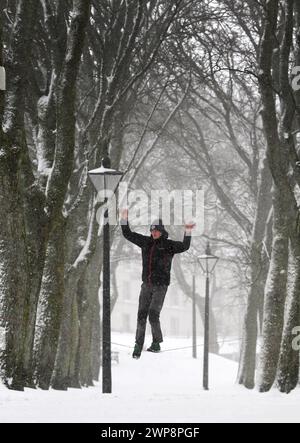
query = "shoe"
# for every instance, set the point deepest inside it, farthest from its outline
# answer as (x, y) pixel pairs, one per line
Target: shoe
(137, 352)
(155, 347)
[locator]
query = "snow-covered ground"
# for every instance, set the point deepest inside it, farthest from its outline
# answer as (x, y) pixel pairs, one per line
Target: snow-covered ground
(164, 388)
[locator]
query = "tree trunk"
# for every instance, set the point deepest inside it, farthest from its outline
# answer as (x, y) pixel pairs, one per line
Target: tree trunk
(288, 367)
(2, 93)
(49, 312)
(96, 354)
(275, 296)
(58, 181)
(15, 286)
(84, 360)
(73, 374)
(90, 367)
(75, 273)
(36, 238)
(297, 58)
(247, 367)
(267, 253)
(284, 202)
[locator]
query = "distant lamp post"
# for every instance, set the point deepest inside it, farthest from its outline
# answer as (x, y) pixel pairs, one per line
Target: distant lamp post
(208, 263)
(194, 317)
(106, 179)
(2, 79)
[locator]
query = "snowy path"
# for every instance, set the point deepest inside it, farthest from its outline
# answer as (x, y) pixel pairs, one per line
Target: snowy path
(157, 388)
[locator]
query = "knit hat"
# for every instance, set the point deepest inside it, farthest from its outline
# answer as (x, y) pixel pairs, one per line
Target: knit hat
(159, 226)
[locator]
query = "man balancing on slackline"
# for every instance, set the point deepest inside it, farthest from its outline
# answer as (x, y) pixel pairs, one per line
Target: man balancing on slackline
(158, 253)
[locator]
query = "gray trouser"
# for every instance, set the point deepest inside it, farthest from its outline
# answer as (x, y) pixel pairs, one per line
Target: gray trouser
(150, 304)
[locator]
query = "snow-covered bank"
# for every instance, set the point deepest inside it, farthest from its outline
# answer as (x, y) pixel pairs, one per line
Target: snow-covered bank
(157, 388)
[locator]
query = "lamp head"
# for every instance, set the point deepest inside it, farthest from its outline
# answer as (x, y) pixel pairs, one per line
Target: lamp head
(208, 261)
(208, 249)
(106, 162)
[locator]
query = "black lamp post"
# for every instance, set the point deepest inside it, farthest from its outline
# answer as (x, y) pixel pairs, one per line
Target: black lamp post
(208, 263)
(106, 179)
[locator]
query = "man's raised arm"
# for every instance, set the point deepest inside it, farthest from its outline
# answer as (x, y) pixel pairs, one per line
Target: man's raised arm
(177, 246)
(135, 238)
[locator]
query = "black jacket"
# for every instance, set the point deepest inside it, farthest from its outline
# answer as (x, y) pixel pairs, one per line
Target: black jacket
(157, 255)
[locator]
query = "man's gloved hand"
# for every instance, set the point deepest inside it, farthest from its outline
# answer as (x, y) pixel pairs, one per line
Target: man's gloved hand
(124, 214)
(189, 227)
